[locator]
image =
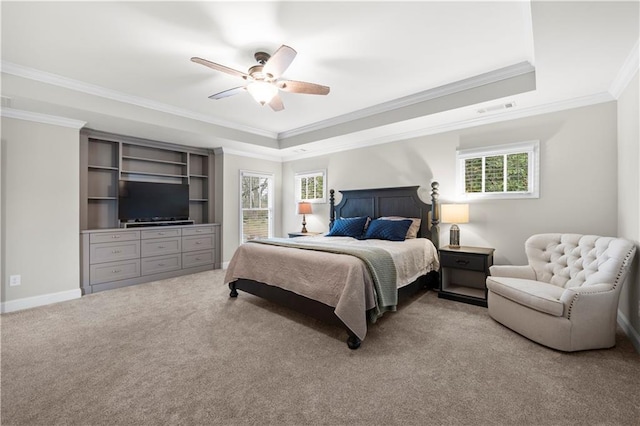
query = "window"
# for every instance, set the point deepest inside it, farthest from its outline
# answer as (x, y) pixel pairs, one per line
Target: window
(256, 205)
(504, 171)
(310, 187)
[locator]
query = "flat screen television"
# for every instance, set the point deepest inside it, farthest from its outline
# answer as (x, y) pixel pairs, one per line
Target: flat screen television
(148, 202)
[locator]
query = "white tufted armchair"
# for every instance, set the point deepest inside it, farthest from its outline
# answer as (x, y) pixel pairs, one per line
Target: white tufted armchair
(567, 296)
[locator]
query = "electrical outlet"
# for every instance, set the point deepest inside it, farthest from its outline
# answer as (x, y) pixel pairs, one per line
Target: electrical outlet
(14, 280)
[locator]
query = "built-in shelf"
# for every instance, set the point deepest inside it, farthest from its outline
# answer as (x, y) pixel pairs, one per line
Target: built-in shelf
(153, 160)
(108, 158)
(114, 169)
(135, 172)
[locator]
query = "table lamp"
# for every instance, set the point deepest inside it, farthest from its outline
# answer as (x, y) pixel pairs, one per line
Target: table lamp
(454, 214)
(304, 209)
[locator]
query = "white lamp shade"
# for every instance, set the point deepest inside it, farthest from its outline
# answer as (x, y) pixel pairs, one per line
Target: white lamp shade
(304, 208)
(454, 213)
(262, 92)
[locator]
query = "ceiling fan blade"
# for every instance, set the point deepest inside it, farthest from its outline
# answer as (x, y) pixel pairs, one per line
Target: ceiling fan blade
(227, 93)
(276, 103)
(303, 87)
(279, 61)
(219, 67)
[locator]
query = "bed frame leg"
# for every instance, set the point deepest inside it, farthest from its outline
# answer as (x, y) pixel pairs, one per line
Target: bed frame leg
(353, 341)
(234, 292)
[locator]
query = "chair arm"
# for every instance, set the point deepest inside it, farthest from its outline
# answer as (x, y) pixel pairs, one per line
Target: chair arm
(513, 271)
(590, 299)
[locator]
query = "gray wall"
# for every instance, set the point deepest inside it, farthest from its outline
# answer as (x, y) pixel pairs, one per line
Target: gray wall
(578, 167)
(629, 197)
(40, 203)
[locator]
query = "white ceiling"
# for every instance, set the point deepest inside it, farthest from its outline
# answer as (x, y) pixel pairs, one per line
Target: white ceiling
(125, 67)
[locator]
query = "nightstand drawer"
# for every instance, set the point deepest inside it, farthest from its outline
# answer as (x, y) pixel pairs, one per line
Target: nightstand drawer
(462, 261)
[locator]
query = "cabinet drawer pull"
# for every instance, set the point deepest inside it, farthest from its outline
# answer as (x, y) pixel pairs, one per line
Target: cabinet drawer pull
(198, 230)
(161, 247)
(115, 251)
(462, 262)
(115, 271)
(198, 258)
(115, 236)
(198, 242)
(161, 264)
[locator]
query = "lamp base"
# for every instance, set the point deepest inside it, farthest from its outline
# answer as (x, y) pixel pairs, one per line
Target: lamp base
(454, 236)
(304, 224)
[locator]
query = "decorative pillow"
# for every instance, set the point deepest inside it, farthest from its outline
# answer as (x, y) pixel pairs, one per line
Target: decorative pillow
(348, 227)
(413, 229)
(391, 230)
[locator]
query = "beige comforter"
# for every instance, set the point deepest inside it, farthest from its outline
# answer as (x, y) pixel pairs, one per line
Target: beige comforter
(337, 280)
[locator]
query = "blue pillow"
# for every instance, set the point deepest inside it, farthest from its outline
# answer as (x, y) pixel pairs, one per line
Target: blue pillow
(348, 227)
(391, 230)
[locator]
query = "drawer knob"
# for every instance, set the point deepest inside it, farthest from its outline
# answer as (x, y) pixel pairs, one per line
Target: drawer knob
(197, 258)
(161, 247)
(198, 242)
(462, 262)
(160, 264)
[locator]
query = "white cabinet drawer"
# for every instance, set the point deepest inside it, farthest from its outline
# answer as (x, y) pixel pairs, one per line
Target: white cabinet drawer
(197, 242)
(158, 264)
(160, 233)
(111, 252)
(160, 246)
(197, 258)
(114, 271)
(114, 237)
(199, 230)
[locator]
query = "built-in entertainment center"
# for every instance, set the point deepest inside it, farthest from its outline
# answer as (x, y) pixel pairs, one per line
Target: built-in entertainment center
(146, 211)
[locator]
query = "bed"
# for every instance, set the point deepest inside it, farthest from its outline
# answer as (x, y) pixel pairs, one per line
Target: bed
(346, 281)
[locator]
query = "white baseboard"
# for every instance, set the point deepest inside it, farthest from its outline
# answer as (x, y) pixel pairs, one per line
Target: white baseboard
(626, 326)
(45, 299)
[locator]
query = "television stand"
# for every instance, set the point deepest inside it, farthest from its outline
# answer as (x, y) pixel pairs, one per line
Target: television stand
(157, 223)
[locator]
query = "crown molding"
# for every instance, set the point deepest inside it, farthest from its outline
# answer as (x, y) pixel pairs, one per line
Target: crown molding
(424, 96)
(42, 118)
(240, 153)
(626, 73)
(92, 89)
(518, 112)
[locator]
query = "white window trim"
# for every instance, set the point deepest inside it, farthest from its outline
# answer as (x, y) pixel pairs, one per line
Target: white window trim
(248, 173)
(530, 147)
(298, 180)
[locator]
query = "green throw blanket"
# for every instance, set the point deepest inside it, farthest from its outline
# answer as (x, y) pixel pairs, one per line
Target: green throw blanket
(378, 261)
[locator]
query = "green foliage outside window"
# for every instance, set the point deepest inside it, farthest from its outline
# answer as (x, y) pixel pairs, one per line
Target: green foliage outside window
(492, 173)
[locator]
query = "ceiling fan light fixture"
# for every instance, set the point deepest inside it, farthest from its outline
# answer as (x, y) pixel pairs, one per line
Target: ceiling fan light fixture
(262, 92)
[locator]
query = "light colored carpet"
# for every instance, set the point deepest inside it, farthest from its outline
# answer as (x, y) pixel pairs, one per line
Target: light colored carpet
(180, 351)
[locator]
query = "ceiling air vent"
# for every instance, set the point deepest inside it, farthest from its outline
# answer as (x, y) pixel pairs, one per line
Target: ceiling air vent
(500, 107)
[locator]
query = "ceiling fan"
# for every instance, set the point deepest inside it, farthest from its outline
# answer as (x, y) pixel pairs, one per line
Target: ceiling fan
(264, 79)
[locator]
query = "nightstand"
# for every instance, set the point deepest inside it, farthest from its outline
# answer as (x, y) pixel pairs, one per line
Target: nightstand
(463, 274)
(303, 234)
